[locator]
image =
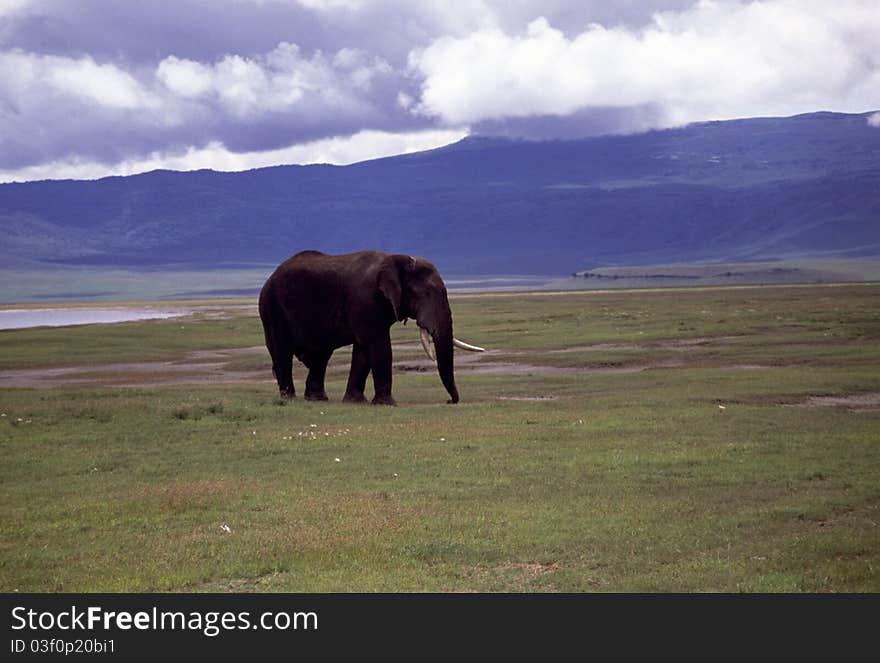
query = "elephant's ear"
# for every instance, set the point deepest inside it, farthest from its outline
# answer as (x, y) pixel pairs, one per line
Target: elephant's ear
(390, 286)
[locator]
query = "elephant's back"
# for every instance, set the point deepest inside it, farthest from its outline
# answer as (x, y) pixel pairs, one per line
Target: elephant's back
(306, 295)
(305, 274)
(329, 276)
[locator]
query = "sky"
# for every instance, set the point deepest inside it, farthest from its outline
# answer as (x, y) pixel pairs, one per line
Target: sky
(91, 88)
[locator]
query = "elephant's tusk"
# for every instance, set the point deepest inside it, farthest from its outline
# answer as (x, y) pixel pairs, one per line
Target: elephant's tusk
(426, 344)
(466, 346)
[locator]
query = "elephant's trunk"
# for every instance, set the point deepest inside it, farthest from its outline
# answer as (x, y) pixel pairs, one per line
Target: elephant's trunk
(445, 364)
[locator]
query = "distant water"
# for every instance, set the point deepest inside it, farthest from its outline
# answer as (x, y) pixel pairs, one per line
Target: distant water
(62, 317)
(498, 283)
(51, 285)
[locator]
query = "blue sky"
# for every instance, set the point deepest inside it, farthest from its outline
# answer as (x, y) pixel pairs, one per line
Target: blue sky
(90, 88)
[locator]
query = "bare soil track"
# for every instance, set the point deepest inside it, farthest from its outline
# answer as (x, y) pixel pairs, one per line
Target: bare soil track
(218, 367)
(853, 402)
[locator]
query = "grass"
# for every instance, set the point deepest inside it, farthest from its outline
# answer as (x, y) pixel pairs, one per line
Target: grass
(130, 341)
(697, 476)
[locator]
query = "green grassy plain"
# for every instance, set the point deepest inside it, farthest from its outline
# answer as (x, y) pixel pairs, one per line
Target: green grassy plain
(672, 446)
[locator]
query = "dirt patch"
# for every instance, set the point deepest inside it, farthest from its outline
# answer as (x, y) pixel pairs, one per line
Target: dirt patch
(209, 367)
(681, 344)
(530, 568)
(599, 347)
(225, 312)
(487, 363)
(218, 366)
(516, 576)
(181, 490)
(690, 342)
(398, 347)
(132, 374)
(511, 368)
(530, 369)
(526, 398)
(227, 353)
(241, 585)
(854, 402)
(463, 361)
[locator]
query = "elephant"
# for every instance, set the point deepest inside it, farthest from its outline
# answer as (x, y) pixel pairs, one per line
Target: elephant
(314, 303)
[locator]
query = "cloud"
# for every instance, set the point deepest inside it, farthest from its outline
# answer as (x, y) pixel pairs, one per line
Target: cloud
(279, 81)
(53, 105)
(716, 60)
(253, 75)
(103, 84)
(83, 85)
(79, 79)
(338, 150)
(12, 7)
(185, 78)
(54, 108)
(326, 5)
(874, 120)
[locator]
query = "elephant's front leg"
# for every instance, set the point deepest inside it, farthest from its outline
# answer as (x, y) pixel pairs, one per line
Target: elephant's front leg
(380, 363)
(357, 378)
(317, 365)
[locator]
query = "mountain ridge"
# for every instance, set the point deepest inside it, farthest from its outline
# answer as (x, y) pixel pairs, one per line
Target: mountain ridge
(747, 189)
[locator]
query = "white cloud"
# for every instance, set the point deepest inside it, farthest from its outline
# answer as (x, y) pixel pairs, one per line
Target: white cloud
(185, 78)
(329, 5)
(279, 81)
(242, 86)
(11, 7)
(360, 67)
(26, 77)
(76, 113)
(371, 145)
(103, 84)
(716, 60)
(874, 120)
(485, 61)
(339, 150)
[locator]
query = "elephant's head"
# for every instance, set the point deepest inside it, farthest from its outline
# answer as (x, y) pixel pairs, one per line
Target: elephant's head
(415, 290)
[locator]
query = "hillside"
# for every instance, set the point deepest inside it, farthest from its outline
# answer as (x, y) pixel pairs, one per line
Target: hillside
(745, 190)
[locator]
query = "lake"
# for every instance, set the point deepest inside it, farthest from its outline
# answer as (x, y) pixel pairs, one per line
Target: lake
(53, 284)
(62, 317)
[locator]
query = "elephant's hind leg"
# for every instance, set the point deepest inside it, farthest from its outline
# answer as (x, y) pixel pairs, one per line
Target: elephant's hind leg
(282, 361)
(282, 369)
(278, 343)
(317, 365)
